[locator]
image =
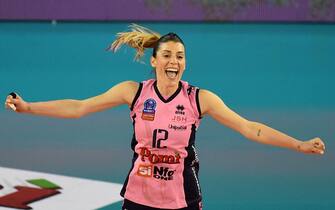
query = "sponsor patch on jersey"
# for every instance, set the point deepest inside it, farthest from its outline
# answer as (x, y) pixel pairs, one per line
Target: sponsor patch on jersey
(179, 119)
(177, 127)
(148, 112)
(157, 172)
(144, 170)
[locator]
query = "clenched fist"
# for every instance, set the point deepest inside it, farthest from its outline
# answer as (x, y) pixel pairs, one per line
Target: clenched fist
(313, 146)
(16, 103)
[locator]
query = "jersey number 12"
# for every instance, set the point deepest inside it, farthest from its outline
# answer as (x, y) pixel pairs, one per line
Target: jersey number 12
(156, 143)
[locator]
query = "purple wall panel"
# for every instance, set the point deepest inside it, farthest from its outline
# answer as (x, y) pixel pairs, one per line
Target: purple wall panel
(183, 10)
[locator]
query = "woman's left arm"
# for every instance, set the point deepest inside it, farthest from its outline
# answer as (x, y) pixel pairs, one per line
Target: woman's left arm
(212, 105)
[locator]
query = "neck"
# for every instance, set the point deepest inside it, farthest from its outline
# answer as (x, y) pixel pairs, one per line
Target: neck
(167, 89)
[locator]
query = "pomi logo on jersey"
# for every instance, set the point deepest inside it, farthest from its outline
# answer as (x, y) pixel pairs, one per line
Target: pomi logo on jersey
(153, 158)
(162, 173)
(25, 195)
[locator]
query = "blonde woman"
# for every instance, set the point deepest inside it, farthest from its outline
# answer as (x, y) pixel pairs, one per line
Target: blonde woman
(166, 112)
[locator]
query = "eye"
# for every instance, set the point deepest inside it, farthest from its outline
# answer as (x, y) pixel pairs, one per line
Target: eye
(180, 57)
(166, 55)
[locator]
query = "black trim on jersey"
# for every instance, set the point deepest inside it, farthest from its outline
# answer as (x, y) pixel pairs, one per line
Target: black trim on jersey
(123, 191)
(134, 142)
(197, 101)
(136, 96)
(192, 189)
(189, 89)
(171, 97)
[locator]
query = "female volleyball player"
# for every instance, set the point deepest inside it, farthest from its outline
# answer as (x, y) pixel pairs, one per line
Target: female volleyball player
(166, 113)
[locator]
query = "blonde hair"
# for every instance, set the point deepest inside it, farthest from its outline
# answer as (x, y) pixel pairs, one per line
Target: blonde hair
(139, 38)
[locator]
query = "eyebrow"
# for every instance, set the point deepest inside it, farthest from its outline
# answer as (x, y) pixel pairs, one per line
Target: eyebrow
(170, 51)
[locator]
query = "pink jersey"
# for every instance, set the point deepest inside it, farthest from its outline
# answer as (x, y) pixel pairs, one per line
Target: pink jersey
(164, 172)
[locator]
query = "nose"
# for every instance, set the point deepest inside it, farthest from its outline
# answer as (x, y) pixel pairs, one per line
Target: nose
(173, 60)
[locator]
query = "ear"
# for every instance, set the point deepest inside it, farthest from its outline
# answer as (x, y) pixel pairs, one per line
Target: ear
(153, 61)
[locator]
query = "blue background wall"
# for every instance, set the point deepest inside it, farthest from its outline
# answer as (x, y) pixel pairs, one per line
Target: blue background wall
(279, 74)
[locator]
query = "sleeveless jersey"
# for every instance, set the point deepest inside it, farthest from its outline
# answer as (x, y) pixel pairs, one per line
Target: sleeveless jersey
(164, 172)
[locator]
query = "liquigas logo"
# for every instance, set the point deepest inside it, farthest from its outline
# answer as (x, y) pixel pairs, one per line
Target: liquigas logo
(25, 195)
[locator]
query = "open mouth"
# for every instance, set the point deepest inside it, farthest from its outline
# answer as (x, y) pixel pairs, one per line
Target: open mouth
(171, 73)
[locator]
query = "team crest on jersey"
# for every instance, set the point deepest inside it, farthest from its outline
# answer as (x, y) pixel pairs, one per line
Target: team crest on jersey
(148, 112)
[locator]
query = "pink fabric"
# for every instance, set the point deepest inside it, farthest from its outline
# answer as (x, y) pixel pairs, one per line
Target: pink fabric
(157, 177)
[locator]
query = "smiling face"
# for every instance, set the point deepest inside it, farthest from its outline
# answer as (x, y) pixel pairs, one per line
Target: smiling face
(169, 62)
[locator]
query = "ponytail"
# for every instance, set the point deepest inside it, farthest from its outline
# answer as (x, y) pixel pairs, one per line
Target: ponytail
(139, 38)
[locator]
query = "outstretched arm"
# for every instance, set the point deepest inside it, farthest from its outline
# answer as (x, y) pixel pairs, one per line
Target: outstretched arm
(122, 93)
(212, 105)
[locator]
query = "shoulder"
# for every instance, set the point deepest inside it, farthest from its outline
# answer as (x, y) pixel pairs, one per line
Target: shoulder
(128, 90)
(129, 85)
(207, 99)
(203, 93)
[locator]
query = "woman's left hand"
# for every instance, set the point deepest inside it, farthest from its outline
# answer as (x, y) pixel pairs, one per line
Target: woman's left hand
(313, 146)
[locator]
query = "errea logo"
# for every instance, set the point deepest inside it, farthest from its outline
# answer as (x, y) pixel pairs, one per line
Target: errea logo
(180, 109)
(25, 195)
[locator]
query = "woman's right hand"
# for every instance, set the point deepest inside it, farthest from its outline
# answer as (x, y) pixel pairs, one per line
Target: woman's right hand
(17, 104)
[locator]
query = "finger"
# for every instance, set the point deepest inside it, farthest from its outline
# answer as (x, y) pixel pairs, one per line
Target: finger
(9, 98)
(322, 147)
(12, 106)
(317, 141)
(318, 151)
(318, 144)
(12, 101)
(6, 104)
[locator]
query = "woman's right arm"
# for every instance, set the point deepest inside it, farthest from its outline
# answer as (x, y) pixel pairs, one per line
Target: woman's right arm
(122, 93)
